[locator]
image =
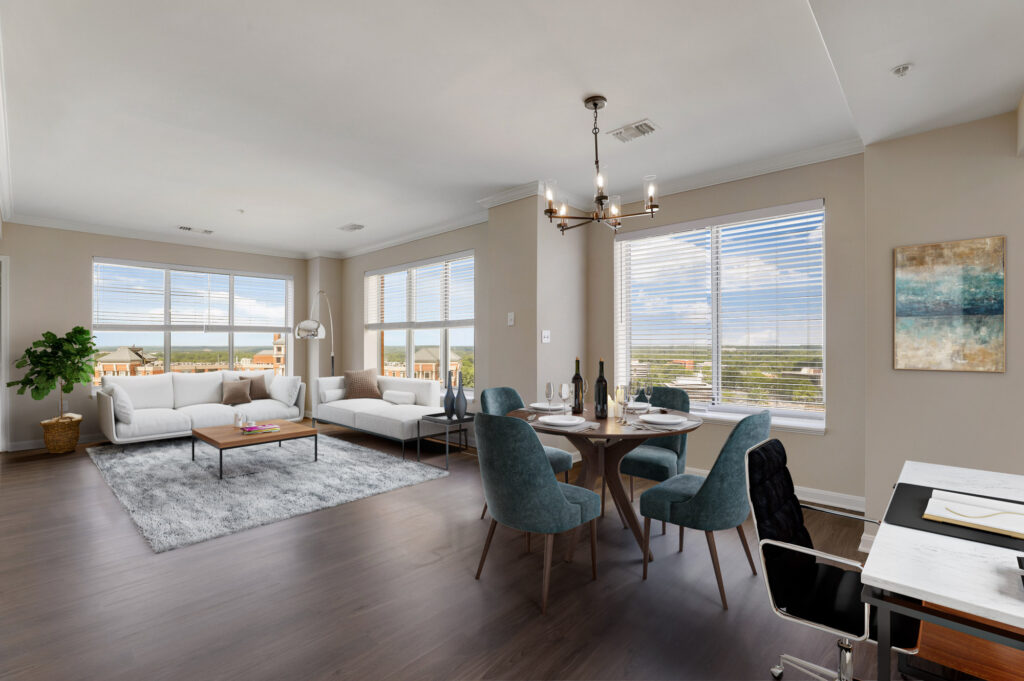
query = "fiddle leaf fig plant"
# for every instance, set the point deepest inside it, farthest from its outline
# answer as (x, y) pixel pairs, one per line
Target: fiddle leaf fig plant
(57, 362)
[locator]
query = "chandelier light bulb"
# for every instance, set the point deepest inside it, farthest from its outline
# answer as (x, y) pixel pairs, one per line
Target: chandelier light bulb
(563, 209)
(600, 181)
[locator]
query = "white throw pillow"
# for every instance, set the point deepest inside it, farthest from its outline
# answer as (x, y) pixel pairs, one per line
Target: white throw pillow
(332, 395)
(399, 397)
(285, 389)
(123, 408)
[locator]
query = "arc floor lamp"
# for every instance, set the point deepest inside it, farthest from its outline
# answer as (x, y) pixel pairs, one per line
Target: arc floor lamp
(312, 329)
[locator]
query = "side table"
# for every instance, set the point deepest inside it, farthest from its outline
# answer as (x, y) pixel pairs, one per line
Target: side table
(449, 423)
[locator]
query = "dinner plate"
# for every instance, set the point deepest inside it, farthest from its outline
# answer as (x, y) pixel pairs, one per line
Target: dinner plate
(561, 421)
(637, 407)
(662, 419)
(544, 406)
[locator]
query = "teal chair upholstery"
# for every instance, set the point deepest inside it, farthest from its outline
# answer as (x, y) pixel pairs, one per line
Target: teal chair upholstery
(659, 458)
(717, 502)
(523, 493)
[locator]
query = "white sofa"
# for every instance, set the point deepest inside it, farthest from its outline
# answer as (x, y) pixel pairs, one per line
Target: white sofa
(377, 416)
(171, 405)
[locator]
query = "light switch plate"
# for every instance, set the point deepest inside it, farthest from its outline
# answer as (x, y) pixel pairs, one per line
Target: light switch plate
(545, 336)
(511, 318)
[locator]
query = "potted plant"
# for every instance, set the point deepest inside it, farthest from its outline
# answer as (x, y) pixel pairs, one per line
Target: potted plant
(54, 362)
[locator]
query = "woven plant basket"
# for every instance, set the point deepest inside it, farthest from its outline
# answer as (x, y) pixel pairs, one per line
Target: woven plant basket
(61, 434)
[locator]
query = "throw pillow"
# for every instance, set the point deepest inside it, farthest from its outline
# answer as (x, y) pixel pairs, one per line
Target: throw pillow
(285, 389)
(258, 387)
(399, 397)
(332, 395)
(236, 392)
(361, 385)
(123, 408)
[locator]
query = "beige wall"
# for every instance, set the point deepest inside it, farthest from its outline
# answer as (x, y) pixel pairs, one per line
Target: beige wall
(955, 183)
(834, 461)
(51, 290)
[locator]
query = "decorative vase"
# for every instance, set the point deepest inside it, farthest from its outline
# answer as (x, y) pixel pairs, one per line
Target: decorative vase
(60, 435)
(449, 398)
(460, 401)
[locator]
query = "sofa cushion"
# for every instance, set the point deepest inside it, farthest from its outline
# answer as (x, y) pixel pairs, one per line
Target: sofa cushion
(206, 415)
(332, 395)
(237, 392)
(155, 422)
(285, 389)
(344, 412)
(258, 387)
(427, 393)
(123, 407)
(264, 410)
(399, 397)
(234, 375)
(196, 388)
(361, 384)
(145, 392)
(397, 421)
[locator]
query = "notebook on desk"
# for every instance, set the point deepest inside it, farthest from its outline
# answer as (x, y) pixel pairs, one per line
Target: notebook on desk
(989, 515)
(910, 502)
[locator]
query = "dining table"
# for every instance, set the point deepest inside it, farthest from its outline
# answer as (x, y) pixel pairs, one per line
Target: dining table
(603, 447)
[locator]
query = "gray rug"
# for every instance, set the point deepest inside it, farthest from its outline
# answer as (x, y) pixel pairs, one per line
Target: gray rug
(175, 501)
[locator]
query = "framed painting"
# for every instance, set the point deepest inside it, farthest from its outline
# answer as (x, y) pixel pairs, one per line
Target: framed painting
(948, 306)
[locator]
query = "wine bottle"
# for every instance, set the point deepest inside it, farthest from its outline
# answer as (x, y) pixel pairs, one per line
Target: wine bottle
(601, 393)
(577, 390)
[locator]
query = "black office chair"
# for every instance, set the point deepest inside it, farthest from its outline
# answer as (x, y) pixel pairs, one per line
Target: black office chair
(802, 584)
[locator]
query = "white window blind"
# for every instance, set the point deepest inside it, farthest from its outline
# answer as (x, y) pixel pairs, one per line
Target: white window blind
(435, 294)
(199, 299)
(732, 311)
(127, 295)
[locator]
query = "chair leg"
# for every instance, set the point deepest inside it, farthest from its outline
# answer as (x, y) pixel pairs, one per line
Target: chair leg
(549, 545)
(664, 529)
(631, 489)
(746, 548)
(680, 539)
(483, 512)
(487, 545)
(718, 569)
(567, 477)
(647, 543)
(602, 495)
(593, 547)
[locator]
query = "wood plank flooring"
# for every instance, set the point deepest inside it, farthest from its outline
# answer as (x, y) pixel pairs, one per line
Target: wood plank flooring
(380, 588)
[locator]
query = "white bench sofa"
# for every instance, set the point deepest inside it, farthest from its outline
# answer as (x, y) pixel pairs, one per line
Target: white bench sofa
(377, 416)
(171, 405)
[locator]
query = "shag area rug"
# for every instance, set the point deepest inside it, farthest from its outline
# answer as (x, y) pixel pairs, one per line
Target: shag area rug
(175, 501)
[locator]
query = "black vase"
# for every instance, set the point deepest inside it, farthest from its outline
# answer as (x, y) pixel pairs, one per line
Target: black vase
(460, 401)
(449, 398)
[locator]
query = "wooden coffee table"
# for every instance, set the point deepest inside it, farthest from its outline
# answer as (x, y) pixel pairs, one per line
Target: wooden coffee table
(231, 437)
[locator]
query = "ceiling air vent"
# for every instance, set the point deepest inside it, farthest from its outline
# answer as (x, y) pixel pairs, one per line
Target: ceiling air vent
(352, 227)
(186, 228)
(628, 133)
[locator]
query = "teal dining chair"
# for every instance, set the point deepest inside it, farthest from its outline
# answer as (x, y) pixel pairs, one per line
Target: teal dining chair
(500, 401)
(659, 458)
(524, 494)
(716, 502)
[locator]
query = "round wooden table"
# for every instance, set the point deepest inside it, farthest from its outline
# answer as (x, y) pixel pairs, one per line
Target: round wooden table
(602, 449)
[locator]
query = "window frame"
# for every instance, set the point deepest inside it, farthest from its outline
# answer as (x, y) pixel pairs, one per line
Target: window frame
(794, 420)
(167, 328)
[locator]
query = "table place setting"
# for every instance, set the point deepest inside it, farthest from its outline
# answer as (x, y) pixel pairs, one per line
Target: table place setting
(569, 423)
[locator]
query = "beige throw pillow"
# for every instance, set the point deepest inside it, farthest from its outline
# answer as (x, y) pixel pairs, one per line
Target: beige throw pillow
(361, 384)
(258, 388)
(236, 392)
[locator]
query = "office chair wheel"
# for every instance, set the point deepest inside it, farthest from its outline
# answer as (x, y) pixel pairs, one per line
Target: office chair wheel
(776, 672)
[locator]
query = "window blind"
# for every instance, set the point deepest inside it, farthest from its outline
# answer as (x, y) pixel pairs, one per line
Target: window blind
(434, 294)
(127, 295)
(731, 311)
(199, 299)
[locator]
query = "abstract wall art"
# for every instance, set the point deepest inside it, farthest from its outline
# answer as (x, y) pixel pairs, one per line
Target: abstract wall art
(948, 306)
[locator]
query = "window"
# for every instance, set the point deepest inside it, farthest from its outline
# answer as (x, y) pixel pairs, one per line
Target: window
(421, 318)
(149, 319)
(730, 309)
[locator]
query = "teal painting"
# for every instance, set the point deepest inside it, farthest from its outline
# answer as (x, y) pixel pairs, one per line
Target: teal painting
(948, 306)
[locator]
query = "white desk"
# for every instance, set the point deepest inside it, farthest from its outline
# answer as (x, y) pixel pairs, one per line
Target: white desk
(969, 577)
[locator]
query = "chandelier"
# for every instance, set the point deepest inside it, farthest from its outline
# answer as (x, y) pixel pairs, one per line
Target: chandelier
(607, 210)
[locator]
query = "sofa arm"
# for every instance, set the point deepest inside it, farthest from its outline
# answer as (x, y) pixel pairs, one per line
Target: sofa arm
(105, 409)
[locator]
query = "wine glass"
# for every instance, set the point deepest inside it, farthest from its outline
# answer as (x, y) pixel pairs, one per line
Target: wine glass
(549, 392)
(564, 392)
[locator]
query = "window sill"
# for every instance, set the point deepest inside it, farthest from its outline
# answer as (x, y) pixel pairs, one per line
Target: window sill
(789, 424)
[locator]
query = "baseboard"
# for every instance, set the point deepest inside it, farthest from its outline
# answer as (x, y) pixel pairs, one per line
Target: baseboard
(22, 445)
(866, 540)
(824, 497)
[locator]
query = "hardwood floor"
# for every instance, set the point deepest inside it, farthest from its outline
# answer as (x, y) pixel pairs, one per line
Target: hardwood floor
(380, 588)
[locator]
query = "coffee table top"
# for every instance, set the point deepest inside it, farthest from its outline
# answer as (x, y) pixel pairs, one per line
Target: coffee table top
(228, 437)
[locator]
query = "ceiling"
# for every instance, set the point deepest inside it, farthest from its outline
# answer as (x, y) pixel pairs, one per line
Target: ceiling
(273, 123)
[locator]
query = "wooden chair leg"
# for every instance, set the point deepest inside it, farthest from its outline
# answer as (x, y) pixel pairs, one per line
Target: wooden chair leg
(647, 543)
(718, 569)
(746, 548)
(567, 477)
(593, 547)
(549, 545)
(631, 489)
(664, 529)
(487, 545)
(602, 496)
(483, 512)
(681, 539)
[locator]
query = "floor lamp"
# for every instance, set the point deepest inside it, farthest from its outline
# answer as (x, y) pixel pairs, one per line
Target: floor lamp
(312, 329)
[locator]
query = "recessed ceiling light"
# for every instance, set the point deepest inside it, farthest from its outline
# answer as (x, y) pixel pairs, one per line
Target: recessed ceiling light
(901, 70)
(352, 227)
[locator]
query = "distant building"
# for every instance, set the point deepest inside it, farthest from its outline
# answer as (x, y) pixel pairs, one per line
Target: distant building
(270, 358)
(127, 360)
(426, 364)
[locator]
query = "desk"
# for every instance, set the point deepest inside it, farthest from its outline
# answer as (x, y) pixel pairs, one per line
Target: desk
(965, 576)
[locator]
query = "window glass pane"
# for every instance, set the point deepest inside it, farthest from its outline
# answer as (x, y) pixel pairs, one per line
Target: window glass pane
(393, 297)
(128, 295)
(427, 354)
(128, 353)
(461, 354)
(460, 289)
(199, 298)
(196, 353)
(261, 351)
(261, 301)
(393, 353)
(427, 292)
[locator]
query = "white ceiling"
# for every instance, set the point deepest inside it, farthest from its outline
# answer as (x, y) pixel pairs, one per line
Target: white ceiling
(133, 118)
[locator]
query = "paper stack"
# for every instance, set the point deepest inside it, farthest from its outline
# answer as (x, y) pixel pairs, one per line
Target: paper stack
(990, 515)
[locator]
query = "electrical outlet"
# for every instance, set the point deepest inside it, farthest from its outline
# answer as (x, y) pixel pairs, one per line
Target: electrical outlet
(511, 318)
(545, 336)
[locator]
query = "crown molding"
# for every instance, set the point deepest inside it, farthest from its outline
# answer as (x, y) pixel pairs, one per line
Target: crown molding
(6, 185)
(532, 188)
(475, 218)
